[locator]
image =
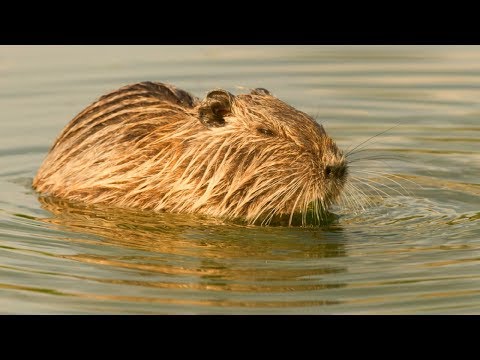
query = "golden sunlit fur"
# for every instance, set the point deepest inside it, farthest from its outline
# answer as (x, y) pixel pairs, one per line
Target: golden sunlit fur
(152, 146)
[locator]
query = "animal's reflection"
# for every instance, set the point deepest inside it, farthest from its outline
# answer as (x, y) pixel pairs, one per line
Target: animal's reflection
(211, 254)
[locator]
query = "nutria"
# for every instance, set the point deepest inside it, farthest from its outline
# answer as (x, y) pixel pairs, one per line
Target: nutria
(153, 146)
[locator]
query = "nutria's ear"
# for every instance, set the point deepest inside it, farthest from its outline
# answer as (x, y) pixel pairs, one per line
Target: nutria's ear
(260, 91)
(216, 105)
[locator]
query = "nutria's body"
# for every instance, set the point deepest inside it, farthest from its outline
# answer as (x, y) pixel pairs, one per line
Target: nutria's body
(153, 146)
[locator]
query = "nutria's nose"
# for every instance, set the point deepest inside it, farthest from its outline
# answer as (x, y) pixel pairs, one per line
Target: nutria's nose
(335, 171)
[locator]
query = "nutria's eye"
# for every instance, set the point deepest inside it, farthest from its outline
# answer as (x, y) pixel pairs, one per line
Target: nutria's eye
(266, 132)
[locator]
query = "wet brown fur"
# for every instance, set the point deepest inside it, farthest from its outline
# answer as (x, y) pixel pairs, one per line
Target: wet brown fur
(153, 146)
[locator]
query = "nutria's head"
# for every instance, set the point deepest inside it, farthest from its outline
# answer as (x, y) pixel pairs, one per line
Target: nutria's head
(268, 158)
(153, 146)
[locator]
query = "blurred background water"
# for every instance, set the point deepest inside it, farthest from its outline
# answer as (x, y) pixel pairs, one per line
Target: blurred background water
(413, 248)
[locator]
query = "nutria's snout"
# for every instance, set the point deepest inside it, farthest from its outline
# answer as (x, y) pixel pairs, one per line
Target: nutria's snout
(335, 171)
(334, 164)
(154, 146)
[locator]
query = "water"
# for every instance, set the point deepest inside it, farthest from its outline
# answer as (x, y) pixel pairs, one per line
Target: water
(414, 248)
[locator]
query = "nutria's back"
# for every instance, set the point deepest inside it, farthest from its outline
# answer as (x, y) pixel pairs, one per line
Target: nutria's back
(153, 146)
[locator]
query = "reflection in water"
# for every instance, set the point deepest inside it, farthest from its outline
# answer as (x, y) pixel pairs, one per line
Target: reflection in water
(194, 252)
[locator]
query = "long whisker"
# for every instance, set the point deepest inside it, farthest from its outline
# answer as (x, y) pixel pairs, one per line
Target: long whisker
(364, 197)
(387, 175)
(350, 199)
(370, 138)
(374, 188)
(377, 157)
(355, 163)
(381, 184)
(354, 166)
